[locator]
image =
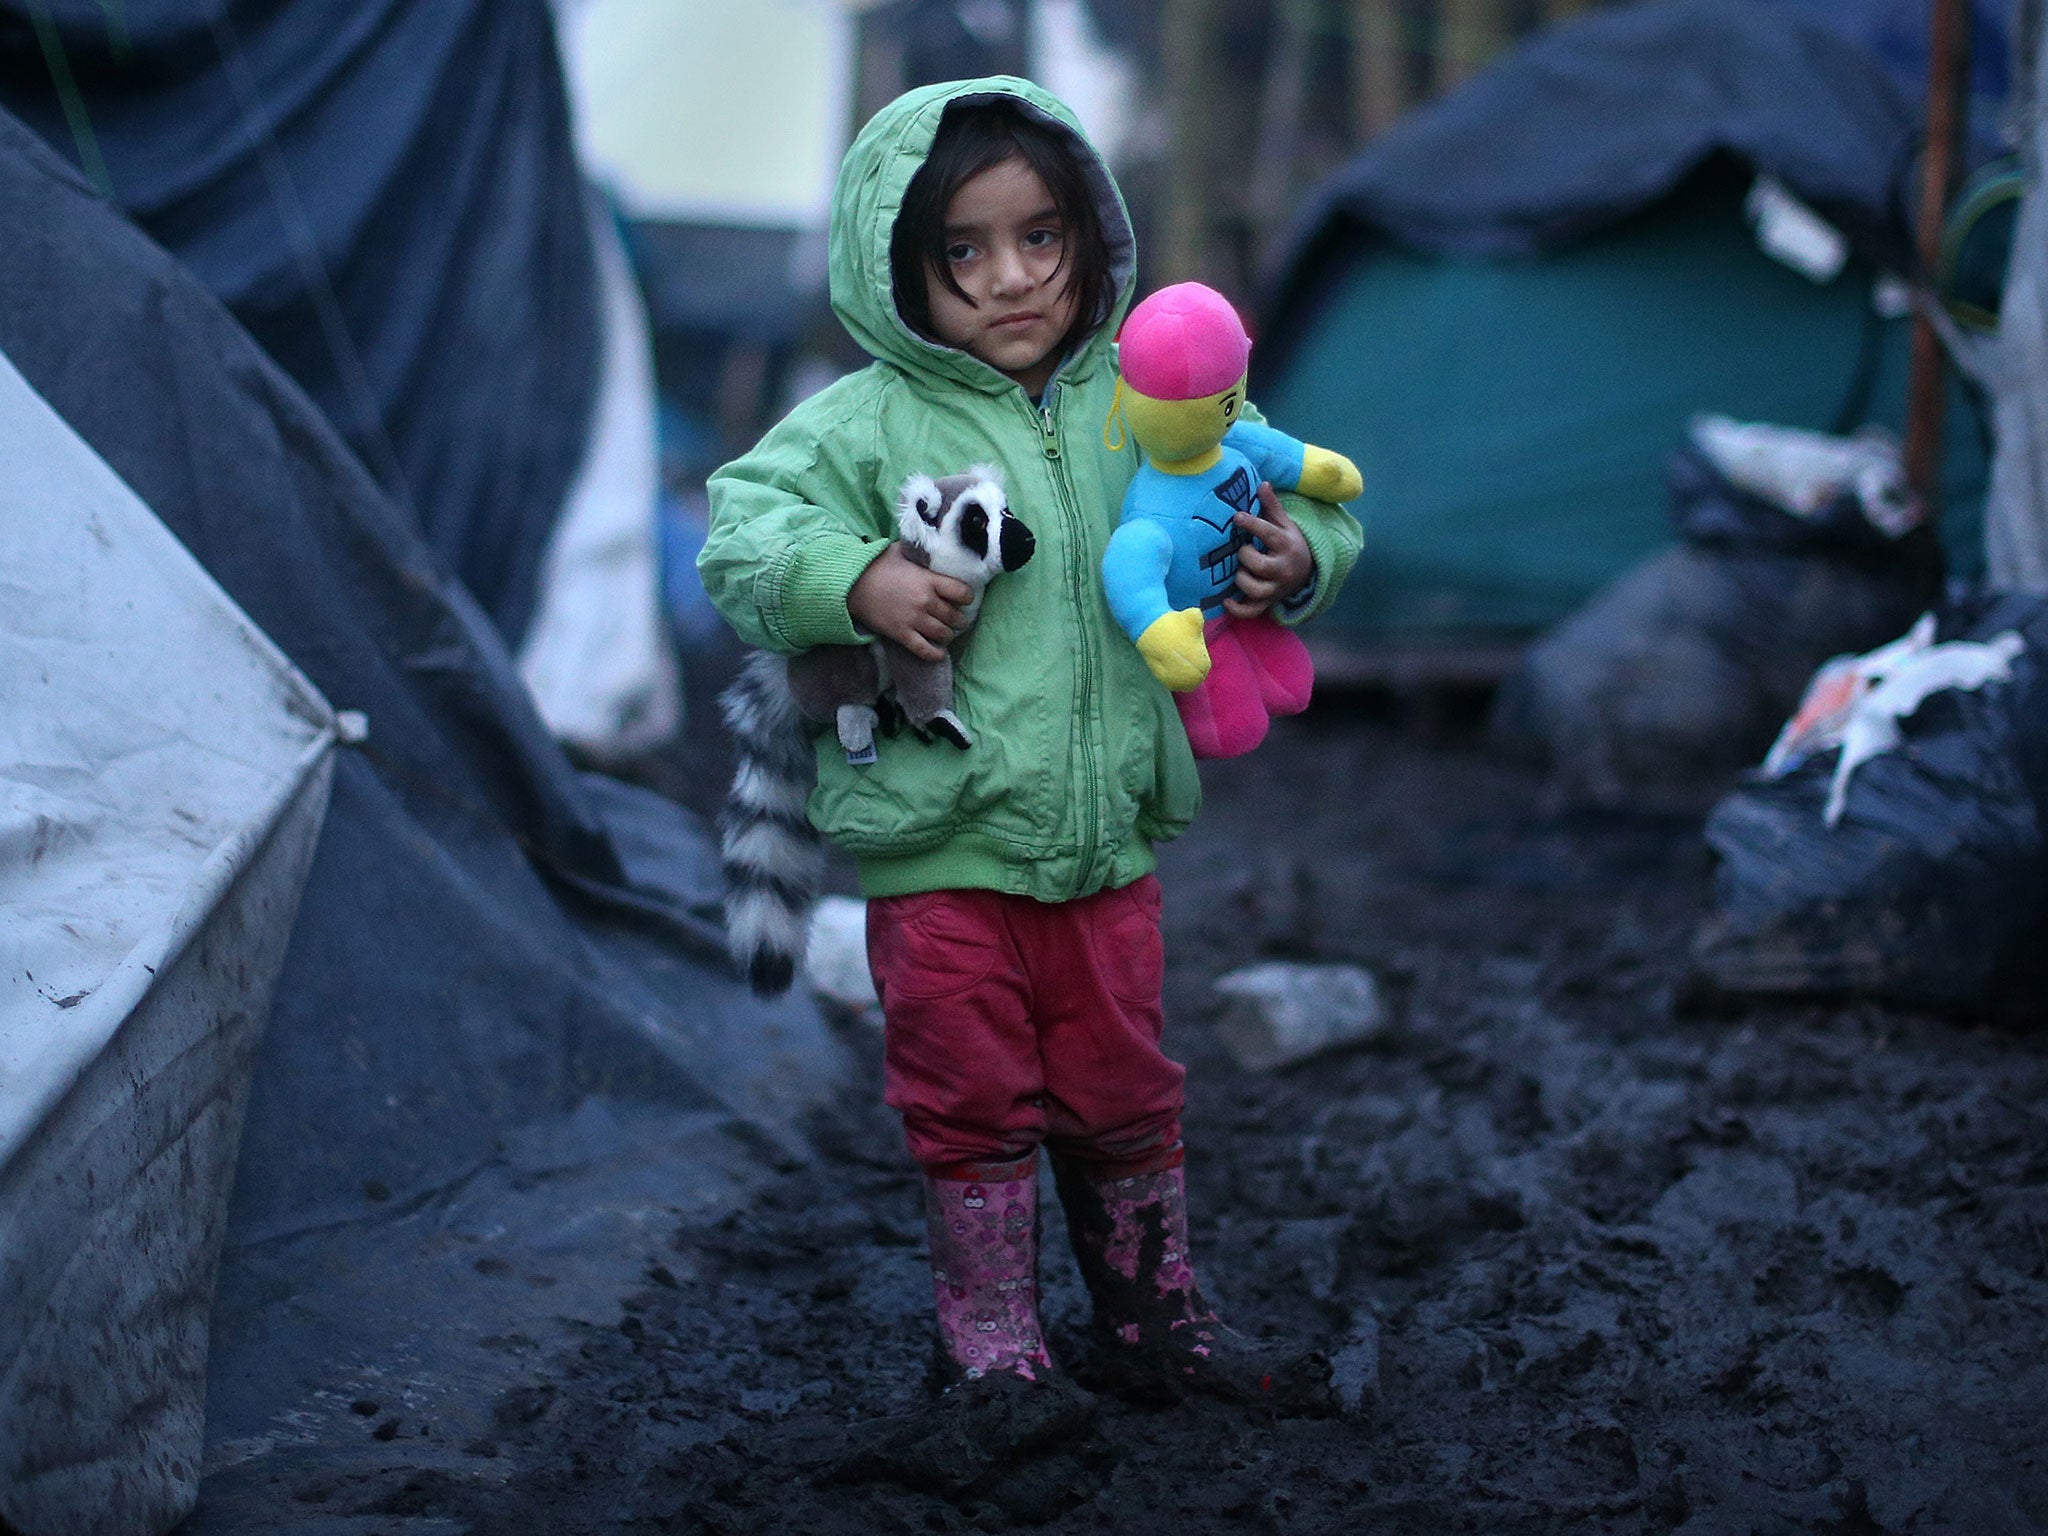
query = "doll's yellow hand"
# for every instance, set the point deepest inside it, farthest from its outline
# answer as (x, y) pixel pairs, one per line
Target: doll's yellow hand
(1328, 476)
(1172, 647)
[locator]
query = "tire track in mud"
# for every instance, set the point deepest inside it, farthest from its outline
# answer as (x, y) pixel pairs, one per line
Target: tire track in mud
(1586, 1263)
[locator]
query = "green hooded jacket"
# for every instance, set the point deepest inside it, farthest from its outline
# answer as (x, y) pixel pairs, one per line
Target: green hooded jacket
(1079, 760)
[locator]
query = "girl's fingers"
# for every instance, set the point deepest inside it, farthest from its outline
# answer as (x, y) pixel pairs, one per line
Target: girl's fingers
(1260, 562)
(1245, 608)
(1258, 528)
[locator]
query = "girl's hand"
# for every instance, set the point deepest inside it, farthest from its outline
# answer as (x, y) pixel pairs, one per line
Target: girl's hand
(1275, 573)
(917, 608)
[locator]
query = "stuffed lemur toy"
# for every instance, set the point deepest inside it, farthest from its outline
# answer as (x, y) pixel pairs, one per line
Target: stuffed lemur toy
(958, 525)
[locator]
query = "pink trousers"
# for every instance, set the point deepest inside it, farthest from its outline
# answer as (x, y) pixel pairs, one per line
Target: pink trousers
(1011, 1023)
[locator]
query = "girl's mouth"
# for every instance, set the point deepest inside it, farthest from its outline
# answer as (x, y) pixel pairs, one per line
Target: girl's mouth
(1015, 322)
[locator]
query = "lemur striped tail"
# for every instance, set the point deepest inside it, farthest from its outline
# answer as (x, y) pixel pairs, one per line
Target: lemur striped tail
(772, 855)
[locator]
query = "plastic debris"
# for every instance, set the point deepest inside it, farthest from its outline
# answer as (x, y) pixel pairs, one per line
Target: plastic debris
(1873, 725)
(1817, 724)
(1280, 1012)
(1792, 233)
(836, 957)
(1855, 703)
(1808, 473)
(1935, 892)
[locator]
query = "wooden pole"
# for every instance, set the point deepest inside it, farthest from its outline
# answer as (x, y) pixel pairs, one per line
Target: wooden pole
(1276, 163)
(1187, 41)
(1948, 62)
(1379, 66)
(1470, 33)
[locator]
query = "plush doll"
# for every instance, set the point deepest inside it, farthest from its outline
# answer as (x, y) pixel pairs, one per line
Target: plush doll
(1173, 558)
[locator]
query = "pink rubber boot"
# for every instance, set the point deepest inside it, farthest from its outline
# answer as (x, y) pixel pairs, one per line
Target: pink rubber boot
(1156, 1337)
(983, 1224)
(1223, 714)
(1280, 662)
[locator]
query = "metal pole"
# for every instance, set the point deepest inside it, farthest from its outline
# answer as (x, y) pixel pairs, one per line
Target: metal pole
(1948, 62)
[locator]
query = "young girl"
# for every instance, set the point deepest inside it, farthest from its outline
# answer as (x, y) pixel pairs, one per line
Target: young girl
(982, 254)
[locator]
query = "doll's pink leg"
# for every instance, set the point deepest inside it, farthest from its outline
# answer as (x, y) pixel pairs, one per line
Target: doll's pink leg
(1224, 716)
(1280, 662)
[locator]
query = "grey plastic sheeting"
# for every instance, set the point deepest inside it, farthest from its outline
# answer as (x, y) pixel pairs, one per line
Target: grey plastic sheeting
(164, 771)
(2012, 364)
(505, 1052)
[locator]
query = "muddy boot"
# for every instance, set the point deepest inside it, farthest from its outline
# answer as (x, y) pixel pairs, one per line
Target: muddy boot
(983, 1224)
(1156, 1338)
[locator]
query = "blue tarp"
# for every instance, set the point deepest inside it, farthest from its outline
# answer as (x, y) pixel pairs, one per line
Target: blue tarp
(1591, 122)
(386, 195)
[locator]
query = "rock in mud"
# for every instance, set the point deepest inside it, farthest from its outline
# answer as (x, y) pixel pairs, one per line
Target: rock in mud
(1280, 1013)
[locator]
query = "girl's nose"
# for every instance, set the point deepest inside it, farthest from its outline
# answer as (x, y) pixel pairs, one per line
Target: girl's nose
(1012, 274)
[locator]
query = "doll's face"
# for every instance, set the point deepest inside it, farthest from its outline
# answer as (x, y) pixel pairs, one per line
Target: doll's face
(1174, 430)
(1006, 247)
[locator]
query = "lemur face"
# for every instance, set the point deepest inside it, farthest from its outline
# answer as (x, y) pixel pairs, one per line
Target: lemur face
(963, 524)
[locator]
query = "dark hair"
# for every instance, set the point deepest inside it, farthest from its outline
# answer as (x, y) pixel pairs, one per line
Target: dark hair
(970, 140)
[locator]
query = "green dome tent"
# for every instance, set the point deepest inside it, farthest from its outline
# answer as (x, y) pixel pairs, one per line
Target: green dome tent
(1509, 309)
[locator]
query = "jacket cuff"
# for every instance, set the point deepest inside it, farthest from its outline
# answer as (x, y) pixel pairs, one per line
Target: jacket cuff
(809, 598)
(1320, 591)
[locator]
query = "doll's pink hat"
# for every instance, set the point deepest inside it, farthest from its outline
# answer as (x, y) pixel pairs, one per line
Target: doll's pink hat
(1183, 343)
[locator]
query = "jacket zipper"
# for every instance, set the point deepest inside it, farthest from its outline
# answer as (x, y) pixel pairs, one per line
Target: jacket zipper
(1084, 683)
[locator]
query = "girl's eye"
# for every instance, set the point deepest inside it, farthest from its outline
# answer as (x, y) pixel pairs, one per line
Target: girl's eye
(1040, 238)
(959, 250)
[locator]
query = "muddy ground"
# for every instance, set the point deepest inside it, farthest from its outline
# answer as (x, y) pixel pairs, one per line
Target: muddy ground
(1587, 1259)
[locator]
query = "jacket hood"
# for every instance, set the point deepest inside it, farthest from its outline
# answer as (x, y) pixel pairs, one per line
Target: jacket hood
(869, 193)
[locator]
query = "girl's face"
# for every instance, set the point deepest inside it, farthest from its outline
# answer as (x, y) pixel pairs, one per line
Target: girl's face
(1005, 245)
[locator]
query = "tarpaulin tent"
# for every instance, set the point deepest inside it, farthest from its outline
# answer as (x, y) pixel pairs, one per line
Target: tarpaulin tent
(500, 1038)
(1508, 308)
(386, 195)
(163, 775)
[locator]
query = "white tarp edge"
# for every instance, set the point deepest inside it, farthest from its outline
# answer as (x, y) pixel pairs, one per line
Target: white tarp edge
(597, 656)
(163, 775)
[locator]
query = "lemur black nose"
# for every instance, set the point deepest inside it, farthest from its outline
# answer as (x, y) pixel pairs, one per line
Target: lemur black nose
(1017, 544)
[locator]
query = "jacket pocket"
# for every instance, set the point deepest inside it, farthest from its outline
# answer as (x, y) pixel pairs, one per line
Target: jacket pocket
(920, 794)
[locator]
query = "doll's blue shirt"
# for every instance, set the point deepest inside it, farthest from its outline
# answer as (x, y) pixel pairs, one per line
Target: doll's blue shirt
(1176, 544)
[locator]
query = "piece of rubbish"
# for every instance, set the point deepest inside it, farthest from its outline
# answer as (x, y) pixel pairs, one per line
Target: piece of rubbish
(1873, 724)
(1791, 233)
(1816, 726)
(836, 956)
(1855, 703)
(1807, 473)
(1934, 893)
(1281, 1012)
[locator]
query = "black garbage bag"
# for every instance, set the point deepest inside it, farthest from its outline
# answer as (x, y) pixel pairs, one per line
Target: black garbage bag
(1678, 673)
(1932, 889)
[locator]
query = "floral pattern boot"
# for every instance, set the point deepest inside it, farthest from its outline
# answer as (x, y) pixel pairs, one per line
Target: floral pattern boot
(1156, 1336)
(983, 1224)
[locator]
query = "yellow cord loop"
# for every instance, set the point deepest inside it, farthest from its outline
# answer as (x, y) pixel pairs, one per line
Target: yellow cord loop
(1115, 418)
